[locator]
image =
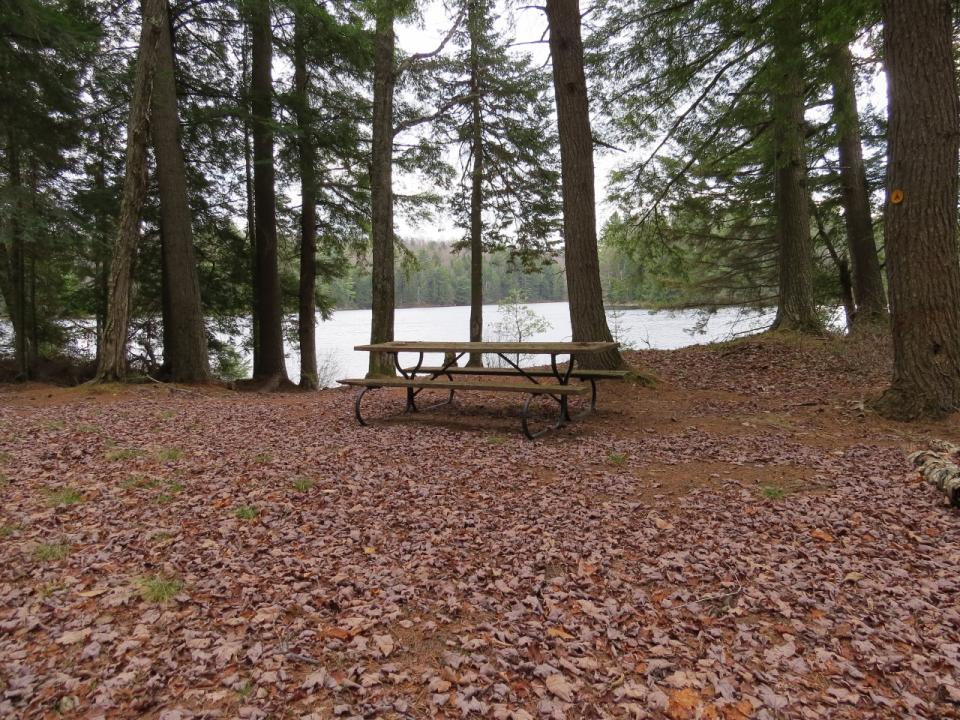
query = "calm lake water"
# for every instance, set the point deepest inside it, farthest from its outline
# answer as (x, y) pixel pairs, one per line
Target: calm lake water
(636, 327)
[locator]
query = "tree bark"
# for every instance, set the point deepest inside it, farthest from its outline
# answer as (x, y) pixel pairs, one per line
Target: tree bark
(272, 367)
(476, 190)
(112, 365)
(587, 317)
(868, 290)
(185, 356)
(923, 262)
(14, 287)
(308, 214)
(251, 213)
(381, 189)
(796, 310)
(101, 247)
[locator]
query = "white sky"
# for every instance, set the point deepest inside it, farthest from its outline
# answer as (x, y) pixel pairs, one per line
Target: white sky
(528, 26)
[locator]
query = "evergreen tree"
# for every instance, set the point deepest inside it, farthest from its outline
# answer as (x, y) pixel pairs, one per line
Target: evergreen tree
(268, 364)
(45, 46)
(184, 333)
(508, 194)
(920, 225)
(587, 317)
(112, 360)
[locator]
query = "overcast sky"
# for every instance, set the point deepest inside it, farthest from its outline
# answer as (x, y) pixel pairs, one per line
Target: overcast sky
(524, 27)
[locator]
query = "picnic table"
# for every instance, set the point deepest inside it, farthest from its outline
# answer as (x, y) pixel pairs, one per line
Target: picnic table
(554, 382)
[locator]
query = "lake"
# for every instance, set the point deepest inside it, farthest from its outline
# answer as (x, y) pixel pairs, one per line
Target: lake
(638, 328)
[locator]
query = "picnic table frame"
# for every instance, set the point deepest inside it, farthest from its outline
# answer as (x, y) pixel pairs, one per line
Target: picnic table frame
(557, 385)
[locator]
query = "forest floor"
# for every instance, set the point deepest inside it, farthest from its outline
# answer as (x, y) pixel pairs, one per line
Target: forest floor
(742, 540)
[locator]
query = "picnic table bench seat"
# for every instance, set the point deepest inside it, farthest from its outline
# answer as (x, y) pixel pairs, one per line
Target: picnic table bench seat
(579, 373)
(424, 383)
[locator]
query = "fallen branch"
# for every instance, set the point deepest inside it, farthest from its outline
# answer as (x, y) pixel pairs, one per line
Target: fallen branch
(939, 467)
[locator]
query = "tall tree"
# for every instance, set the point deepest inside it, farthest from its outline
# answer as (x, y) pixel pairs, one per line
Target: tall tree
(381, 184)
(796, 309)
(112, 364)
(923, 263)
(269, 365)
(868, 292)
(307, 158)
(587, 317)
(184, 334)
(45, 49)
(508, 198)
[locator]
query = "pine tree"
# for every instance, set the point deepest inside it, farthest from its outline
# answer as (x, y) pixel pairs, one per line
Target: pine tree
(112, 361)
(508, 196)
(796, 309)
(269, 364)
(45, 45)
(920, 224)
(184, 334)
(587, 317)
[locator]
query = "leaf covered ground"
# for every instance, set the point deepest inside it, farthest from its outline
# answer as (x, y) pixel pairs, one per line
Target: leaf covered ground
(742, 540)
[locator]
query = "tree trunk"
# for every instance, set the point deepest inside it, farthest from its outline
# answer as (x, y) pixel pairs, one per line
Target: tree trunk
(923, 263)
(102, 245)
(796, 309)
(272, 367)
(843, 270)
(113, 354)
(381, 190)
(308, 215)
(185, 356)
(251, 214)
(15, 294)
(587, 317)
(868, 291)
(476, 191)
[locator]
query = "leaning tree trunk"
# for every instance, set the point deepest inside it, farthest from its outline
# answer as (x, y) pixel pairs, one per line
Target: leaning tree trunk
(796, 309)
(381, 190)
(185, 356)
(272, 368)
(587, 317)
(923, 263)
(868, 291)
(476, 190)
(112, 364)
(308, 214)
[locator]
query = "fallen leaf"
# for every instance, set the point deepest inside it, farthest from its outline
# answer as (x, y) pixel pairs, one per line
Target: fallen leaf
(72, 637)
(559, 686)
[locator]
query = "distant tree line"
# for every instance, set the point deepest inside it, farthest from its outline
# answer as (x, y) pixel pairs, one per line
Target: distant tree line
(434, 274)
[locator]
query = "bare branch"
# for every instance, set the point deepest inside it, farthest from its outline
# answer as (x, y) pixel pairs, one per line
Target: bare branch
(408, 62)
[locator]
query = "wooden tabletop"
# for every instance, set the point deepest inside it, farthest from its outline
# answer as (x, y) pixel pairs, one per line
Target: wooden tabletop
(524, 348)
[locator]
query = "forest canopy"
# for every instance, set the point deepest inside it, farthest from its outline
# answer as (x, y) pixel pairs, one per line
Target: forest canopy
(179, 170)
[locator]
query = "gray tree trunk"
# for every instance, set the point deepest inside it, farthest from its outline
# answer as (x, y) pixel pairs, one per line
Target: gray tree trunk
(923, 262)
(112, 365)
(381, 190)
(185, 356)
(796, 310)
(308, 215)
(868, 291)
(272, 367)
(476, 190)
(587, 317)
